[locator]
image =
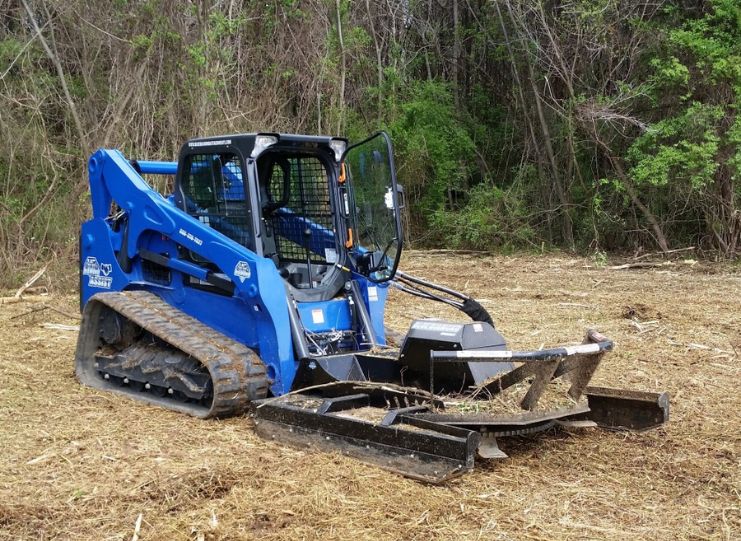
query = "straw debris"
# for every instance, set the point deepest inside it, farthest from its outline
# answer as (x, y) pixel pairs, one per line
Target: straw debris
(80, 464)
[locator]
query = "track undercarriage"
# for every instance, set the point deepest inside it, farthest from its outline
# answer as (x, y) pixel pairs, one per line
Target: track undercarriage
(136, 344)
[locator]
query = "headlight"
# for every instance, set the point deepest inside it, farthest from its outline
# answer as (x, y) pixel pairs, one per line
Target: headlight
(262, 142)
(339, 146)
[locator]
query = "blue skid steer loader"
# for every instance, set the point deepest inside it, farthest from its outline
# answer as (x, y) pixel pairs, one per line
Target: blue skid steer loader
(259, 285)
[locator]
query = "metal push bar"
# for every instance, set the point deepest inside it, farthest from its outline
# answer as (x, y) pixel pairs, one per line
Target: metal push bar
(399, 442)
(544, 365)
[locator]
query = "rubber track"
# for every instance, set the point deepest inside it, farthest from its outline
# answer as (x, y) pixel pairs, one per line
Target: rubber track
(237, 373)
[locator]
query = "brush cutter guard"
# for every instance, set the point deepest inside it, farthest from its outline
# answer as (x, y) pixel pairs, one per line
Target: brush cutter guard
(615, 408)
(579, 362)
(398, 440)
(409, 431)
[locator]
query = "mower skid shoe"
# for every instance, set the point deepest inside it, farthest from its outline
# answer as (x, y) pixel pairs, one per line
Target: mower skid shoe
(422, 450)
(622, 408)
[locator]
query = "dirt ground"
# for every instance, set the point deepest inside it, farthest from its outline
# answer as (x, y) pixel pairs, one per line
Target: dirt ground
(80, 464)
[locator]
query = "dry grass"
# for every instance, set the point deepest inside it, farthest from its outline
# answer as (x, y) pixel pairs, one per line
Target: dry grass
(79, 464)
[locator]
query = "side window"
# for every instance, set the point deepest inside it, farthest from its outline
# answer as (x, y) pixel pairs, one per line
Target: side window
(213, 186)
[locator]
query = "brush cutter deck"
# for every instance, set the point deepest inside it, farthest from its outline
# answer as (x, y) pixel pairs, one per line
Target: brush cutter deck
(410, 430)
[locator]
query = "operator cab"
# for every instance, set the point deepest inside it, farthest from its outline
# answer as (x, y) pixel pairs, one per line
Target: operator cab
(287, 198)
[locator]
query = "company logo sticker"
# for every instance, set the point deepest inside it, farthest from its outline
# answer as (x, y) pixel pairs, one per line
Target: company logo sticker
(242, 271)
(97, 273)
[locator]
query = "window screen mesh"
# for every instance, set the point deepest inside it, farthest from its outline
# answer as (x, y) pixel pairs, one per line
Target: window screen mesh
(214, 193)
(303, 226)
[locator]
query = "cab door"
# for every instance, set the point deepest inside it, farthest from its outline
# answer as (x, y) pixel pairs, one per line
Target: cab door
(375, 207)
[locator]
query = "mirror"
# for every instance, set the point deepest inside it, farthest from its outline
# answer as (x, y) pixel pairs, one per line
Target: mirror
(374, 193)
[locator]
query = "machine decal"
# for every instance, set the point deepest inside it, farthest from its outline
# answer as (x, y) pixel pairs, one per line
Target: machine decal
(372, 293)
(97, 273)
(91, 267)
(195, 144)
(437, 326)
(317, 316)
(242, 271)
(388, 199)
(190, 236)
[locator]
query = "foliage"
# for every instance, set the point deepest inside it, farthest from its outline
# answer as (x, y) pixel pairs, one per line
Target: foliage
(680, 149)
(600, 125)
(492, 219)
(434, 146)
(691, 154)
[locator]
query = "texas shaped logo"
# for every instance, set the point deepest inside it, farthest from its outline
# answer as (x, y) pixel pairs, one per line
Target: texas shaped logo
(242, 271)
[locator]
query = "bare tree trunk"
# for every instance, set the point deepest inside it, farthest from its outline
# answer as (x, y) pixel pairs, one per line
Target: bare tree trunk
(567, 225)
(456, 53)
(63, 81)
(567, 229)
(650, 218)
(379, 63)
(727, 216)
(525, 112)
(343, 72)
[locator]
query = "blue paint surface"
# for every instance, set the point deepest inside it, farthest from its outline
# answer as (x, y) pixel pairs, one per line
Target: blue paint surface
(256, 314)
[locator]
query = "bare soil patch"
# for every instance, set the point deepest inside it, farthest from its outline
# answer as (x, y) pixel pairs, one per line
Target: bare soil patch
(80, 464)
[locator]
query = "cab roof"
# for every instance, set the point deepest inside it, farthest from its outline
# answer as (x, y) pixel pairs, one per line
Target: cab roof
(248, 139)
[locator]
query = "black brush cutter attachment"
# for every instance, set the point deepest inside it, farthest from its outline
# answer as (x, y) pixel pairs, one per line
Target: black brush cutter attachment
(372, 422)
(410, 431)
